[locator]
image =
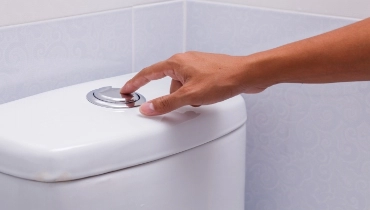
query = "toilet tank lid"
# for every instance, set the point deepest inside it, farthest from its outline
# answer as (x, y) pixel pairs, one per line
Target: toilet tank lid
(60, 136)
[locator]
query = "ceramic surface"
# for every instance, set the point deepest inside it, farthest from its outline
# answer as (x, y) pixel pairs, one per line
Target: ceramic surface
(47, 55)
(158, 33)
(339, 8)
(208, 177)
(241, 30)
(25, 11)
(65, 137)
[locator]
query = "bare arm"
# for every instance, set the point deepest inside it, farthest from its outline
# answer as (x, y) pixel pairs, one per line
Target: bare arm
(337, 56)
(203, 78)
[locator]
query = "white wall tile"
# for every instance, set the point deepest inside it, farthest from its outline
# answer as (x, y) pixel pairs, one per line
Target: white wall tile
(308, 145)
(158, 32)
(25, 11)
(343, 8)
(44, 56)
(241, 30)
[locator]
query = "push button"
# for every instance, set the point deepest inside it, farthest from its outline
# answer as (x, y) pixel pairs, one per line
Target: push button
(112, 98)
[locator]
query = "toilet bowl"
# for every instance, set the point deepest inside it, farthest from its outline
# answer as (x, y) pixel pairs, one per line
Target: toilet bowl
(61, 150)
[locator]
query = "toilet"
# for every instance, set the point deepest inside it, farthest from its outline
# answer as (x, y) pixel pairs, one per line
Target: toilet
(86, 147)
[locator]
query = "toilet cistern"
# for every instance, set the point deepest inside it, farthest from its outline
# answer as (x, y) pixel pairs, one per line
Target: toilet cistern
(58, 151)
(112, 98)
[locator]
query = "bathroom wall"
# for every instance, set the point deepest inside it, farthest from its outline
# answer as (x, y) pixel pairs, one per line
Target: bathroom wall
(308, 145)
(25, 11)
(344, 8)
(46, 55)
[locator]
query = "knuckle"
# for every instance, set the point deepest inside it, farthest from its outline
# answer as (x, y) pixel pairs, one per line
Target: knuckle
(176, 57)
(163, 104)
(146, 69)
(184, 91)
(190, 52)
(190, 94)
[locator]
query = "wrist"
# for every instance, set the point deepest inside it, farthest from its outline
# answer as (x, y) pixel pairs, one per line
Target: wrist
(260, 71)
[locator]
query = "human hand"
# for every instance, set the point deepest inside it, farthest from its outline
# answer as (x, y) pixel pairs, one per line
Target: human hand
(205, 78)
(197, 79)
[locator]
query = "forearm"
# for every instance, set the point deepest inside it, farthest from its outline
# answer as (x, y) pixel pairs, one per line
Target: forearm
(204, 78)
(337, 56)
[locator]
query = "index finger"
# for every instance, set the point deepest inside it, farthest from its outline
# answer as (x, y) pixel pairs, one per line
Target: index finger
(153, 72)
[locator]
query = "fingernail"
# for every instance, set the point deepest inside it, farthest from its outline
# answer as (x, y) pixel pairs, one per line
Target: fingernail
(147, 108)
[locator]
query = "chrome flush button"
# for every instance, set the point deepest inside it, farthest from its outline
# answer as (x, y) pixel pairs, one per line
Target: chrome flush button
(112, 98)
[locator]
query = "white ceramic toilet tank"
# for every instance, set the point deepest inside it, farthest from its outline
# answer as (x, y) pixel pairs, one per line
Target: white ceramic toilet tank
(58, 151)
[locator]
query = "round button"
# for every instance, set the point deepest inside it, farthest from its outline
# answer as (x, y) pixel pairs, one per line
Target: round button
(112, 98)
(113, 95)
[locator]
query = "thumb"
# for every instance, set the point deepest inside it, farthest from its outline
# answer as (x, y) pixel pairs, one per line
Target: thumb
(162, 105)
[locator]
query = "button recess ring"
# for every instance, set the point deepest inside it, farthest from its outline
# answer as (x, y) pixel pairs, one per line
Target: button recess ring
(112, 98)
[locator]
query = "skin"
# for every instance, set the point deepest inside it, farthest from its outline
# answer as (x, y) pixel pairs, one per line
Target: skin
(199, 78)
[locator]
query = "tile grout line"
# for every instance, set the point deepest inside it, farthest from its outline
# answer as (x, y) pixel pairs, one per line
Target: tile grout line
(185, 17)
(279, 10)
(132, 40)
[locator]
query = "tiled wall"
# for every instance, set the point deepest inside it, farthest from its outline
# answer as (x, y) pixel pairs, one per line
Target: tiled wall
(47, 55)
(26, 11)
(159, 33)
(343, 8)
(307, 144)
(241, 30)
